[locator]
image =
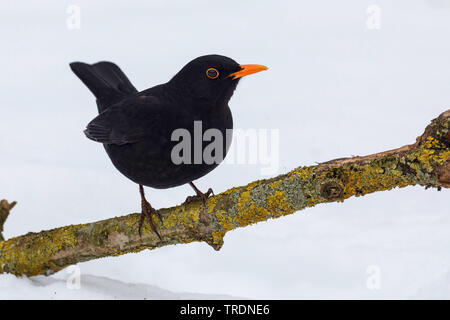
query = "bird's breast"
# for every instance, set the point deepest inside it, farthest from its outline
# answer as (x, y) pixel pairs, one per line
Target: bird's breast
(192, 144)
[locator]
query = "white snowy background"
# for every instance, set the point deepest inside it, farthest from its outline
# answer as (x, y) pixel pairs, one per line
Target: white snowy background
(334, 89)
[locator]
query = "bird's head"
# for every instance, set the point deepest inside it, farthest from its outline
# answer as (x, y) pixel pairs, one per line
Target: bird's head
(212, 78)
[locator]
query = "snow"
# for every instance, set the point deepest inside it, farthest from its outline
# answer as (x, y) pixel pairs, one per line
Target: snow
(334, 89)
(93, 287)
(438, 288)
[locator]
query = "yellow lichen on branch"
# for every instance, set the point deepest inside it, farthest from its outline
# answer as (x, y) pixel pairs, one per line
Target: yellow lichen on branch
(425, 163)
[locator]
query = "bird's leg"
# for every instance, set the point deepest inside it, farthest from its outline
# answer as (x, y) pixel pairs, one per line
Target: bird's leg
(199, 195)
(147, 212)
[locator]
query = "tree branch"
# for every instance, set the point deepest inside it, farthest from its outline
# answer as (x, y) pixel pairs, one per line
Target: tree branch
(425, 163)
(5, 208)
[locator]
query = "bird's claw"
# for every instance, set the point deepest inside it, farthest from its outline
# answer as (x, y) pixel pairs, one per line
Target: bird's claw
(147, 212)
(200, 196)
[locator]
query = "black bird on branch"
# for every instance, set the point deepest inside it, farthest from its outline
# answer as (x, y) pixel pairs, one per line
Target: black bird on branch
(136, 127)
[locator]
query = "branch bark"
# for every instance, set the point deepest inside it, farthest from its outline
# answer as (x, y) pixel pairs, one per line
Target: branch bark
(425, 163)
(5, 208)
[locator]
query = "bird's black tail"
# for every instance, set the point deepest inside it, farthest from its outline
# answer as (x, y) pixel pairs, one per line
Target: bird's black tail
(105, 80)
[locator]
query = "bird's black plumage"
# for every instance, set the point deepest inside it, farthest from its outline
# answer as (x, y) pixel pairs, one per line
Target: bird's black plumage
(136, 127)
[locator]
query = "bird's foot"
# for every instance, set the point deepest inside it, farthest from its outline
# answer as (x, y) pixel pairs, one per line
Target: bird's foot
(147, 213)
(200, 196)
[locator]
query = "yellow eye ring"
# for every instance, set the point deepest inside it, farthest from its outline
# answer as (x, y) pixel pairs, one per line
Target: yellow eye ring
(212, 73)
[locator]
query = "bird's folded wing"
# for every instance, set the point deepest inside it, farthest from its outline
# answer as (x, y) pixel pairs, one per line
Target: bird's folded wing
(130, 121)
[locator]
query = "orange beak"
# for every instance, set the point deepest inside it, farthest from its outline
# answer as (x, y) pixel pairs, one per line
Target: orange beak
(247, 69)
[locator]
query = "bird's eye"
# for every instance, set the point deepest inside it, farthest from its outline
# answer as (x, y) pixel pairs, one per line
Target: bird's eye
(212, 73)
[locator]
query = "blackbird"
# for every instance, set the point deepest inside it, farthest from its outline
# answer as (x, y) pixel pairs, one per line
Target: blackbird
(136, 127)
